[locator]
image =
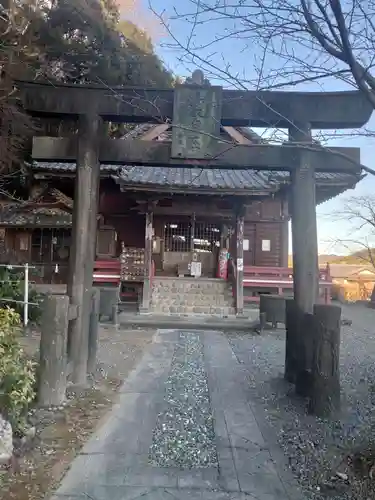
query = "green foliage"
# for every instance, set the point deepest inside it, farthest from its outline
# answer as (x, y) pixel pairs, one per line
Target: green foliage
(138, 37)
(73, 41)
(17, 373)
(85, 42)
(12, 287)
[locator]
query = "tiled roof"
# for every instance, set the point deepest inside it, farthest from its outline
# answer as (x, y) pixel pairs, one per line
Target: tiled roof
(16, 217)
(199, 178)
(225, 179)
(196, 178)
(59, 166)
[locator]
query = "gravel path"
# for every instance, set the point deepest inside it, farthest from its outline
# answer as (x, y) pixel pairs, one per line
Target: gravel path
(184, 434)
(317, 450)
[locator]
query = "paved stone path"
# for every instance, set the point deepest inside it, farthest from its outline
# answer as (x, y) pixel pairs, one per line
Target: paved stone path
(116, 464)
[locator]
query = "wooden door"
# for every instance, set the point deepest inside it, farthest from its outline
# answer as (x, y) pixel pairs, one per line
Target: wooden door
(105, 243)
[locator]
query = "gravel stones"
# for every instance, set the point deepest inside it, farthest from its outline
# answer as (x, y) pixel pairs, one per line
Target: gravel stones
(184, 433)
(316, 449)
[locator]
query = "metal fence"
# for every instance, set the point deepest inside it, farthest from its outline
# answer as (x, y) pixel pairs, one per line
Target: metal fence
(18, 273)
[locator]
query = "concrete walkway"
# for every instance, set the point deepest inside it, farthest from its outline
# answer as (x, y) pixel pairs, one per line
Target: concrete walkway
(243, 462)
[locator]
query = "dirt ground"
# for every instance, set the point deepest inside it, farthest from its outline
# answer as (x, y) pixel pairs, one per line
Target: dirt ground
(61, 433)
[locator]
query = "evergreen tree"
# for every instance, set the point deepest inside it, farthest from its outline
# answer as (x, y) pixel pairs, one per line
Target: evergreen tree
(73, 41)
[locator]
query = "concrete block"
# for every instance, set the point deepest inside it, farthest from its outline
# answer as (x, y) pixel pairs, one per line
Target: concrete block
(108, 298)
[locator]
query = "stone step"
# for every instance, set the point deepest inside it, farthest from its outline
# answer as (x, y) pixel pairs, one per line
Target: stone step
(190, 290)
(191, 301)
(195, 281)
(192, 310)
(182, 304)
(185, 287)
(191, 293)
(192, 297)
(177, 291)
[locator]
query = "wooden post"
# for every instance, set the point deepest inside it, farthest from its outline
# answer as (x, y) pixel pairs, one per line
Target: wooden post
(93, 330)
(53, 351)
(192, 233)
(83, 241)
(146, 295)
(3, 244)
(224, 236)
(239, 260)
(284, 258)
(325, 387)
(304, 230)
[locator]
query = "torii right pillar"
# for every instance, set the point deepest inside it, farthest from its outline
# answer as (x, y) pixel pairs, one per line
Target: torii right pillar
(305, 246)
(304, 228)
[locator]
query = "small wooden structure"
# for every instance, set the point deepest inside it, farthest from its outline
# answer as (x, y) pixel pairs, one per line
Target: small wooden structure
(197, 113)
(352, 282)
(266, 280)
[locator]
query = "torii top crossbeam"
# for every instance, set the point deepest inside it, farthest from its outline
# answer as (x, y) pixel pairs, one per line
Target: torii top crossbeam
(196, 111)
(322, 110)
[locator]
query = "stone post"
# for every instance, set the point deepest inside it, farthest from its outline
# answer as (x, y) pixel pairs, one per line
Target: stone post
(239, 260)
(146, 295)
(305, 332)
(53, 351)
(325, 379)
(83, 242)
(305, 243)
(292, 320)
(93, 330)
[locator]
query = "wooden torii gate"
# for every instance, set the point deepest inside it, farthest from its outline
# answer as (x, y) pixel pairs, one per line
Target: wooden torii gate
(196, 111)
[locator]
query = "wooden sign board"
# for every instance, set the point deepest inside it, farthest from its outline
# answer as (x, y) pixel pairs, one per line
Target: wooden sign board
(196, 121)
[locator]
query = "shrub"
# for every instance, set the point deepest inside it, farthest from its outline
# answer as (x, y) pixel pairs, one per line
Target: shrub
(17, 373)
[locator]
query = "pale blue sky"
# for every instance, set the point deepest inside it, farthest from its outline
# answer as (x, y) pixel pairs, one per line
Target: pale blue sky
(241, 57)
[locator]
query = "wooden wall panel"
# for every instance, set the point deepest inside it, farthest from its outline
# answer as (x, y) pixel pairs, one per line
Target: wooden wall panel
(268, 233)
(265, 209)
(18, 245)
(250, 235)
(106, 243)
(130, 230)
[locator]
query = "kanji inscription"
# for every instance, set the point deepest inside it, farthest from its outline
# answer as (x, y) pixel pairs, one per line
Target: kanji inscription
(196, 121)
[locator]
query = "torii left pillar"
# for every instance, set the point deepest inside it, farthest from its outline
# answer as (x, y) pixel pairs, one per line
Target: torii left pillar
(82, 255)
